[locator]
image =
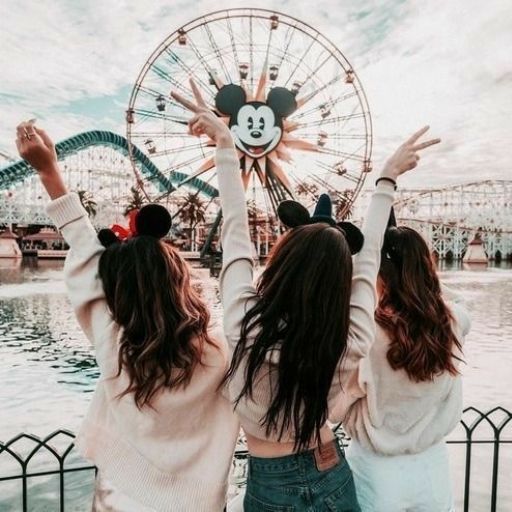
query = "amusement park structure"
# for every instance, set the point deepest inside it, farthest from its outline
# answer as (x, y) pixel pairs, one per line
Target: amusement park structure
(292, 100)
(453, 216)
(301, 124)
(96, 162)
(448, 217)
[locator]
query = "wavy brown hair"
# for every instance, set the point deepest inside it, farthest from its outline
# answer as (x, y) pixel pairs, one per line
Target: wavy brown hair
(164, 321)
(411, 309)
(302, 314)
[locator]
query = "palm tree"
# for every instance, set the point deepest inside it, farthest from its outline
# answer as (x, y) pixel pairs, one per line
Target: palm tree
(136, 200)
(343, 198)
(252, 213)
(306, 189)
(88, 202)
(192, 212)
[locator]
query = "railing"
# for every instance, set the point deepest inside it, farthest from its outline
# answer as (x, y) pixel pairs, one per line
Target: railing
(496, 419)
(472, 422)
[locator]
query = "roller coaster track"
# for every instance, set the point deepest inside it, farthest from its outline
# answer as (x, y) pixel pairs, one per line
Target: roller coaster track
(20, 170)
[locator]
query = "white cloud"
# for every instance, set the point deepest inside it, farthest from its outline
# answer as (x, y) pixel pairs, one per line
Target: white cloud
(445, 63)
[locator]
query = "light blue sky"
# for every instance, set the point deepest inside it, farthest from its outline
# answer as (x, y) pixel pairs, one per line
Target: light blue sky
(72, 65)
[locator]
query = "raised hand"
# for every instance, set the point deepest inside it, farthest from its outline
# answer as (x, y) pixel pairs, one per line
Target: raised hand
(204, 121)
(37, 148)
(406, 156)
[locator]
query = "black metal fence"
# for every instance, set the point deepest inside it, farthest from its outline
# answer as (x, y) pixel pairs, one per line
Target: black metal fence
(495, 421)
(59, 446)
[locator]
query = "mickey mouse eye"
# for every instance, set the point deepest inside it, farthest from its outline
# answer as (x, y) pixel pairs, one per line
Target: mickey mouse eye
(262, 123)
(250, 123)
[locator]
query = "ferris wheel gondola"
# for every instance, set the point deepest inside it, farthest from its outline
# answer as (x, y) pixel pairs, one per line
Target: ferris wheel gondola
(293, 102)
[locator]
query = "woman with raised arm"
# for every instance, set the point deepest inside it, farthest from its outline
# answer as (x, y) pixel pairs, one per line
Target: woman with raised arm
(409, 393)
(299, 335)
(158, 428)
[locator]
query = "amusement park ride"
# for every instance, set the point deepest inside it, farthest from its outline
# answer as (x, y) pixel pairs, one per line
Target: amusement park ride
(301, 125)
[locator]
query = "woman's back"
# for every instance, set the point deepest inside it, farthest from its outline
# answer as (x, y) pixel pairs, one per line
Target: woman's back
(299, 335)
(164, 450)
(350, 325)
(410, 391)
(409, 394)
(394, 415)
(158, 449)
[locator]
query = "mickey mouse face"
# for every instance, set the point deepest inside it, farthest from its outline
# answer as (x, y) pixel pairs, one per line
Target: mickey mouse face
(256, 130)
(256, 127)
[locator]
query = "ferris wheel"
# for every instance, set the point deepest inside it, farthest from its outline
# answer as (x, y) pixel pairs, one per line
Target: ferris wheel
(295, 106)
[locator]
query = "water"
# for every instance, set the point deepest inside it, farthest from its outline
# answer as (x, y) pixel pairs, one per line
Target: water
(48, 371)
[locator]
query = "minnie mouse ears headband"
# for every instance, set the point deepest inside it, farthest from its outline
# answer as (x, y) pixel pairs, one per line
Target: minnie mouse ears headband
(151, 220)
(292, 214)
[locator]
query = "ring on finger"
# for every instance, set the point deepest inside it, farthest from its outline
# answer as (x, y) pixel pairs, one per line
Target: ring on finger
(26, 134)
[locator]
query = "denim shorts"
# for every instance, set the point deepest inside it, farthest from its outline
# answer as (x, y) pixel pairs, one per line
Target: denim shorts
(298, 483)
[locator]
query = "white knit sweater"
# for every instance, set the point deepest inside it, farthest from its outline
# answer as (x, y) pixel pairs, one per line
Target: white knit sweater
(174, 456)
(238, 293)
(389, 414)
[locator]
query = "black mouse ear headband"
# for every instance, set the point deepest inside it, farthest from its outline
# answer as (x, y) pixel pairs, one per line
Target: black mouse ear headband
(390, 247)
(292, 214)
(151, 220)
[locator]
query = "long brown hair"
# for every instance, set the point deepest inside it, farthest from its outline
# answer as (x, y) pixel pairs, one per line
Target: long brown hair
(148, 290)
(411, 309)
(301, 315)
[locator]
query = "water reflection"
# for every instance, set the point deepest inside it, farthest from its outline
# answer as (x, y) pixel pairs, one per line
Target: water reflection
(44, 352)
(47, 367)
(44, 329)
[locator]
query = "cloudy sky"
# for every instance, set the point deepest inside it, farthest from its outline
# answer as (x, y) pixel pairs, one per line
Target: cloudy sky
(72, 64)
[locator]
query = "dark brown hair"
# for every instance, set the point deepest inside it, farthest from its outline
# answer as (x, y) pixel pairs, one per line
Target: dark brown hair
(301, 314)
(411, 309)
(164, 321)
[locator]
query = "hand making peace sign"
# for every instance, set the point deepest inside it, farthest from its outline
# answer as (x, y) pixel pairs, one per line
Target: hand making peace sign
(405, 157)
(204, 121)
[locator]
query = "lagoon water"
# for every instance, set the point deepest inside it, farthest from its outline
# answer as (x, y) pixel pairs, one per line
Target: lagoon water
(48, 371)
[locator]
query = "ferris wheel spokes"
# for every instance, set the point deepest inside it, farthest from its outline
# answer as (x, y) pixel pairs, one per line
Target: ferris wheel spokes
(325, 129)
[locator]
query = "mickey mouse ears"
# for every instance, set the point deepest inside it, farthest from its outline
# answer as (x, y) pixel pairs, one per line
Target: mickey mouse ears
(292, 214)
(231, 98)
(392, 219)
(151, 220)
(388, 251)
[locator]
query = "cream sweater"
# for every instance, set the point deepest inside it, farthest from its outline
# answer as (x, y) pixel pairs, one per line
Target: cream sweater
(238, 292)
(389, 414)
(175, 456)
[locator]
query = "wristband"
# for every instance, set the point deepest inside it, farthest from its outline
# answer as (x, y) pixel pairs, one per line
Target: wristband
(386, 178)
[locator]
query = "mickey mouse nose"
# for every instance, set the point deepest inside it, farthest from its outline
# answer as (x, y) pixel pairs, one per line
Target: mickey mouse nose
(256, 134)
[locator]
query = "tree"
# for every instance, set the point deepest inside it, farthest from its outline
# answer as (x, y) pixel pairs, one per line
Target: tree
(309, 190)
(343, 204)
(252, 214)
(192, 212)
(136, 200)
(88, 202)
